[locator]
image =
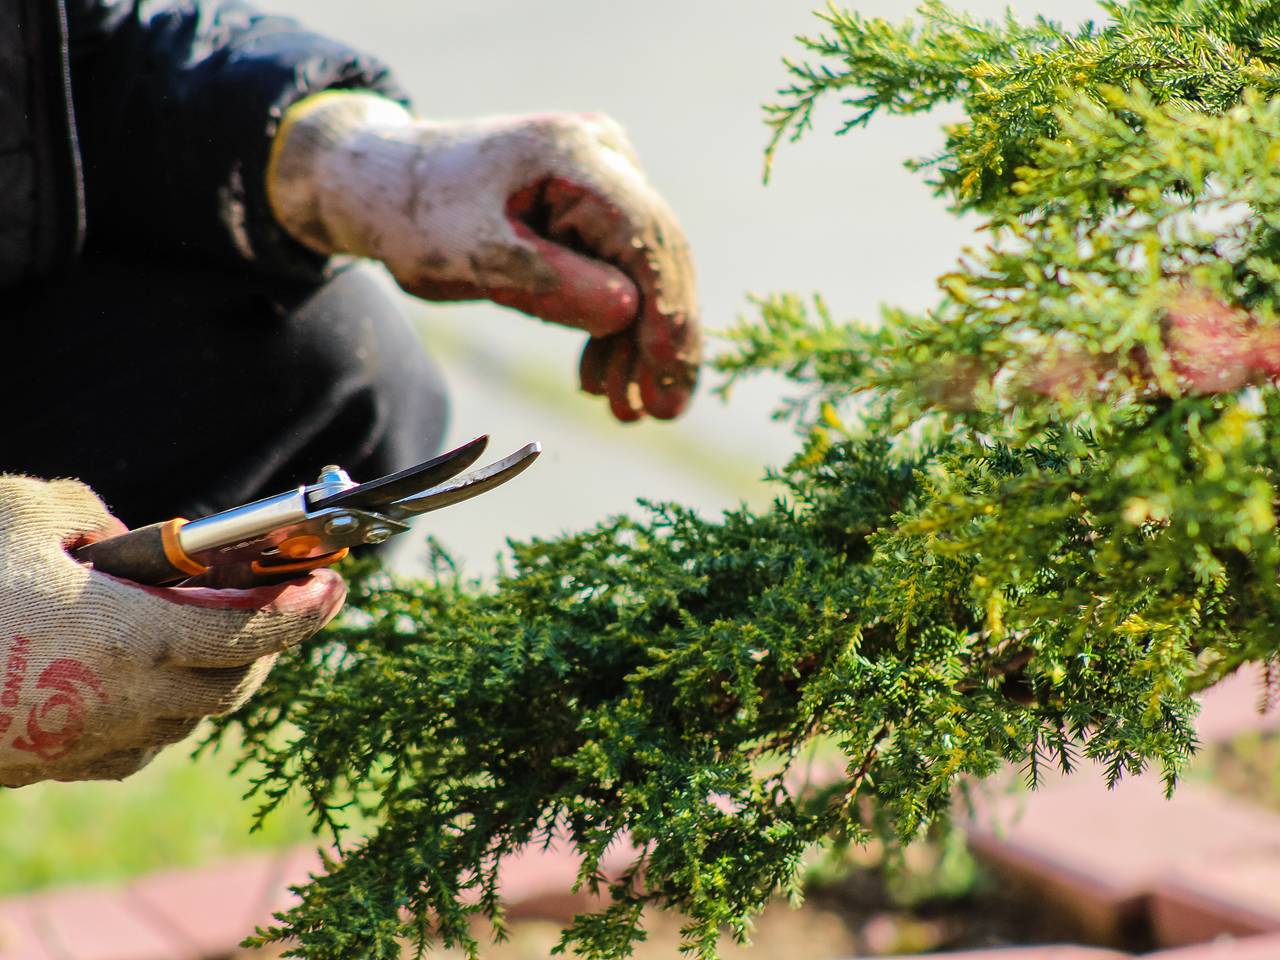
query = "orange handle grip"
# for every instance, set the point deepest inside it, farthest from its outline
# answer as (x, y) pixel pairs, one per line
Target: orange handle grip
(297, 566)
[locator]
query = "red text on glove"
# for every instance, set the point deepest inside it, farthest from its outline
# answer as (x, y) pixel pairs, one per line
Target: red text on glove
(15, 671)
(57, 721)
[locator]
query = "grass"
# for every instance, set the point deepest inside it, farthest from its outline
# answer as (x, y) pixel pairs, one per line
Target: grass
(1247, 767)
(176, 812)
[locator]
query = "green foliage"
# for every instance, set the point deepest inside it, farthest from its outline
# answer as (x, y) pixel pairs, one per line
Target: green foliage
(1024, 527)
(1012, 78)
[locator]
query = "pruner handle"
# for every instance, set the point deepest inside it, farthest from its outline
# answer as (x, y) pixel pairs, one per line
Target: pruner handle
(154, 555)
(240, 576)
(150, 555)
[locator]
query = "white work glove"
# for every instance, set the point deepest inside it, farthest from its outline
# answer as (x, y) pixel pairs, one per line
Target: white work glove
(549, 214)
(97, 674)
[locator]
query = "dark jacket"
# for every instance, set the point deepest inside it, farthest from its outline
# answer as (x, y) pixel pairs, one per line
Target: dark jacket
(146, 127)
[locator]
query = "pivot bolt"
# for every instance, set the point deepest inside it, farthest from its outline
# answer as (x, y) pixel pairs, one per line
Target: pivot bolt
(378, 534)
(341, 525)
(333, 480)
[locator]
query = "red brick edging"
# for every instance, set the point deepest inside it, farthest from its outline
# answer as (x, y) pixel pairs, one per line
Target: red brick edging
(1198, 867)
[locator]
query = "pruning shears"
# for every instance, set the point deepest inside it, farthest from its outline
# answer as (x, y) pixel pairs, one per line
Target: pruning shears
(312, 526)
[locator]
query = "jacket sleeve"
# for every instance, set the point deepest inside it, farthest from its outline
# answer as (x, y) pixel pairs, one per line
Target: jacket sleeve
(176, 105)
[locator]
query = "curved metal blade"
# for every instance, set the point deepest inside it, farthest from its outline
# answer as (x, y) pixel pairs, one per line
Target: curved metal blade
(387, 490)
(467, 486)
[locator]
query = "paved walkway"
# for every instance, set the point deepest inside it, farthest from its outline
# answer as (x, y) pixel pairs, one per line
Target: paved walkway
(1200, 872)
(1118, 862)
(202, 914)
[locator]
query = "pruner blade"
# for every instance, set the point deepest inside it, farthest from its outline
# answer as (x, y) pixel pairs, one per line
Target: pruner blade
(466, 486)
(378, 494)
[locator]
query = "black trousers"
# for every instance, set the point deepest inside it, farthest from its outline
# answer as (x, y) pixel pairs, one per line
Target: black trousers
(180, 390)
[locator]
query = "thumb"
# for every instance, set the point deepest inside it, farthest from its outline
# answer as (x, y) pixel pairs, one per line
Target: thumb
(588, 294)
(204, 627)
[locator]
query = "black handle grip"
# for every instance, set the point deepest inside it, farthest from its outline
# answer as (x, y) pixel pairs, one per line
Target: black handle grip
(242, 576)
(138, 555)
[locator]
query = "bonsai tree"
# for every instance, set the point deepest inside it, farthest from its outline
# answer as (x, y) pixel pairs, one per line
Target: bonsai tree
(1024, 527)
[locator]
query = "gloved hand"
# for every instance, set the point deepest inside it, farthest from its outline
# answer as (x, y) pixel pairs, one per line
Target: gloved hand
(97, 674)
(549, 214)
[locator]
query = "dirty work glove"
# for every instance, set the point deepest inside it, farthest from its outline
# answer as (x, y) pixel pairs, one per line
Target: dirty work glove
(97, 674)
(549, 214)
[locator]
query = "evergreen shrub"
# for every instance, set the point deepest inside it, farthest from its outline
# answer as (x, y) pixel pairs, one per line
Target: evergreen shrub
(1024, 527)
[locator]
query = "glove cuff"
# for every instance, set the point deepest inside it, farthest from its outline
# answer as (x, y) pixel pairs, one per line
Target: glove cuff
(310, 164)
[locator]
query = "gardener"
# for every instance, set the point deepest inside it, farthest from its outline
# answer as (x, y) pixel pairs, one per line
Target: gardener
(176, 181)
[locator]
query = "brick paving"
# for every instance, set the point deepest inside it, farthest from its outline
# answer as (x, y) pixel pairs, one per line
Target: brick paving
(1032, 953)
(1254, 948)
(1191, 871)
(1127, 864)
(1237, 897)
(216, 906)
(1102, 857)
(22, 935)
(94, 924)
(194, 914)
(1230, 708)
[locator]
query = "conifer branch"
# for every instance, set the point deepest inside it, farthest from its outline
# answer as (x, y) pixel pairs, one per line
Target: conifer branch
(1024, 527)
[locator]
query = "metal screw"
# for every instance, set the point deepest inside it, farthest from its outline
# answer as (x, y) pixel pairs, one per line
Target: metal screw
(342, 524)
(333, 479)
(377, 534)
